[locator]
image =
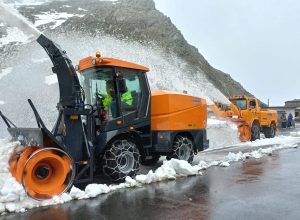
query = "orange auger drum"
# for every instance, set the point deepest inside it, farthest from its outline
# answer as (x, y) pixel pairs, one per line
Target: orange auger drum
(43, 172)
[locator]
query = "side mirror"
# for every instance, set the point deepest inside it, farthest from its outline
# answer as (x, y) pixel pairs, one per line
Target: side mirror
(121, 84)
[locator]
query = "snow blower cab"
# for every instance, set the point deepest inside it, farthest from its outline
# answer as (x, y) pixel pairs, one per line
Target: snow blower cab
(108, 123)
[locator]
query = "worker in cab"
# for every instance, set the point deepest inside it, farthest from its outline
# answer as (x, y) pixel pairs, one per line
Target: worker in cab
(109, 99)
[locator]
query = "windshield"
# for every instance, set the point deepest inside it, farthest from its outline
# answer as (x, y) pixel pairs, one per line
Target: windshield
(97, 81)
(241, 103)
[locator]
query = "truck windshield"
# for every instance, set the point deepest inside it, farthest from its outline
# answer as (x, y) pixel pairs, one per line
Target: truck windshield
(241, 103)
(97, 81)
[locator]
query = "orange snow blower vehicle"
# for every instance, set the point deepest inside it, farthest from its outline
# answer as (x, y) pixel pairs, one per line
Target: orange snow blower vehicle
(249, 117)
(108, 122)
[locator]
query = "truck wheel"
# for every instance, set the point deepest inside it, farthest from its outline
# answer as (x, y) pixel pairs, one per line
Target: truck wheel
(121, 159)
(183, 149)
(270, 132)
(148, 162)
(255, 132)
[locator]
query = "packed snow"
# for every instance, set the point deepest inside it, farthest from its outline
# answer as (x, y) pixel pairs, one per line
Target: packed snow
(2, 102)
(221, 133)
(5, 71)
(54, 18)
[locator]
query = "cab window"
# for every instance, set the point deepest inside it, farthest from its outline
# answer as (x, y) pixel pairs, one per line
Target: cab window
(99, 86)
(131, 98)
(241, 103)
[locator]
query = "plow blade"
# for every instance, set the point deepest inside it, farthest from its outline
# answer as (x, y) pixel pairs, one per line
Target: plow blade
(43, 172)
(244, 130)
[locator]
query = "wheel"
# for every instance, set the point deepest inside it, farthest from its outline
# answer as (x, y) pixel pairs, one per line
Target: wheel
(270, 132)
(121, 159)
(183, 149)
(255, 132)
(152, 161)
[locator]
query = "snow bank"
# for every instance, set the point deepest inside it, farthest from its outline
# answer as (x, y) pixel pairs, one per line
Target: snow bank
(54, 18)
(277, 140)
(2, 102)
(221, 133)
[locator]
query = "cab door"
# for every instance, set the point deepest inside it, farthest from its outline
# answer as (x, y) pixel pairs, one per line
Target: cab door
(253, 109)
(134, 101)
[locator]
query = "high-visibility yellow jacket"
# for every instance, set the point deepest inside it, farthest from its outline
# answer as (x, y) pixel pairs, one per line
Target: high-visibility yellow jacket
(126, 98)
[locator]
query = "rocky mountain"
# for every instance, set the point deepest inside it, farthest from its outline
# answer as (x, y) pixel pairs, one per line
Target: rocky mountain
(137, 20)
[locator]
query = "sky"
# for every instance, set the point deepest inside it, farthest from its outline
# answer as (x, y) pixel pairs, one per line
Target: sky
(256, 42)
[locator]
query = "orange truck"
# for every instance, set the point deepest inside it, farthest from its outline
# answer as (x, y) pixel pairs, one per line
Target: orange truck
(259, 120)
(249, 116)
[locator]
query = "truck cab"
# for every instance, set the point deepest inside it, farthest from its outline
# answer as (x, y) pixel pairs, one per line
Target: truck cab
(129, 115)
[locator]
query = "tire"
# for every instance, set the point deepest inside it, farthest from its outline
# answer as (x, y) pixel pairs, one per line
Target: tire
(255, 132)
(149, 162)
(121, 159)
(270, 132)
(183, 149)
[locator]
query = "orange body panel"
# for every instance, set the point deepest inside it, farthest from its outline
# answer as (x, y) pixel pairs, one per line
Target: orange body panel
(267, 116)
(87, 63)
(177, 111)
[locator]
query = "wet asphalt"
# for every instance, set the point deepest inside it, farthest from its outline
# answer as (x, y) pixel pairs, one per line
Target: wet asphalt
(266, 188)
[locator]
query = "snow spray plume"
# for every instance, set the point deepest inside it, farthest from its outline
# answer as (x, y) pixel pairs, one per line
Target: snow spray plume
(13, 18)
